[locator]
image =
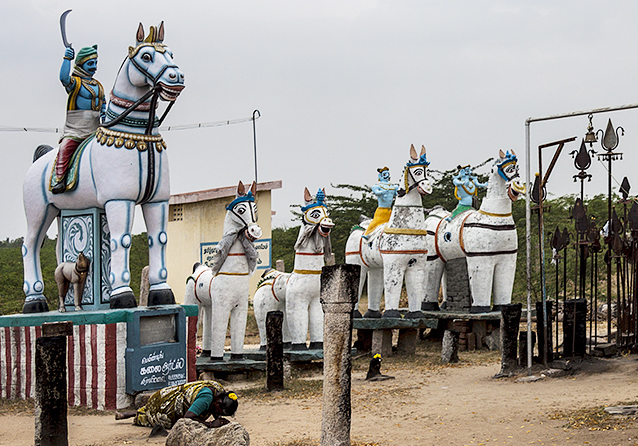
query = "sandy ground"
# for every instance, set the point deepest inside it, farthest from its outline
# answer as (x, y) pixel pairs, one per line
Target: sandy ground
(423, 405)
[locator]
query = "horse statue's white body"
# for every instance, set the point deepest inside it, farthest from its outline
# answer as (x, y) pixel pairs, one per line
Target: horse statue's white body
(399, 251)
(297, 293)
(124, 165)
(486, 238)
(271, 296)
(222, 292)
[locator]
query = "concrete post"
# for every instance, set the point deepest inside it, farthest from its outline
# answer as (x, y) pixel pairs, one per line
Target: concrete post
(280, 266)
(548, 346)
(339, 294)
(510, 321)
(575, 327)
(450, 346)
(274, 351)
(51, 428)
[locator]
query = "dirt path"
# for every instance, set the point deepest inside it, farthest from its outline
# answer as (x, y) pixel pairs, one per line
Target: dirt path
(460, 405)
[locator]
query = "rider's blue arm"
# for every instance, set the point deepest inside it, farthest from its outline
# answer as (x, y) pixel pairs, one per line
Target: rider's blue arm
(65, 69)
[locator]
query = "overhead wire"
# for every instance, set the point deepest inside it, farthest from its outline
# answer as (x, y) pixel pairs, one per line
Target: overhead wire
(167, 128)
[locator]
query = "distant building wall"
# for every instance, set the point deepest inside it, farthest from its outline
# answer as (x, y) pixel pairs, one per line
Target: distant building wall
(195, 225)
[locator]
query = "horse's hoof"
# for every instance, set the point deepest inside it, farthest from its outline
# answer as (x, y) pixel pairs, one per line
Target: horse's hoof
(204, 354)
(298, 347)
(373, 314)
(36, 306)
(262, 348)
(62, 310)
(392, 314)
(481, 309)
(356, 314)
(497, 308)
(287, 345)
(317, 345)
(430, 306)
(79, 308)
(161, 297)
(414, 315)
(216, 359)
(122, 300)
(236, 356)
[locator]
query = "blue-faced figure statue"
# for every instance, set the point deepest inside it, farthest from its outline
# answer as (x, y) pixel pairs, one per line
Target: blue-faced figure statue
(385, 192)
(465, 189)
(85, 108)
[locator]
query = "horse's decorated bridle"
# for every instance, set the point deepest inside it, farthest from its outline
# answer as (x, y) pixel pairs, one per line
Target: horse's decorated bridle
(507, 169)
(415, 171)
(154, 40)
(316, 214)
(239, 207)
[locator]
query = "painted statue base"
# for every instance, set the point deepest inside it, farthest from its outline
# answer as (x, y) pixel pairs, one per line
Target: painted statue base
(123, 300)
(430, 306)
(480, 309)
(391, 314)
(36, 306)
(161, 297)
(374, 314)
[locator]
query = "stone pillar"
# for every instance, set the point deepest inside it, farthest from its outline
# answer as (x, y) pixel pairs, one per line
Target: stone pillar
(510, 321)
(51, 428)
(339, 294)
(450, 347)
(274, 351)
(549, 346)
(279, 265)
(575, 327)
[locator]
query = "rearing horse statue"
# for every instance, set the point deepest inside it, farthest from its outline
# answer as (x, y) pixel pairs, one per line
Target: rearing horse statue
(122, 165)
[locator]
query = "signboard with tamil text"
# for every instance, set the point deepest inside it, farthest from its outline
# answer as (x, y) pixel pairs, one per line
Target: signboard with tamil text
(207, 251)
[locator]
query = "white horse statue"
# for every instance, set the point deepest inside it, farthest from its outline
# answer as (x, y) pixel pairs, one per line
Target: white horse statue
(124, 164)
(222, 291)
(271, 296)
(297, 293)
(486, 238)
(399, 250)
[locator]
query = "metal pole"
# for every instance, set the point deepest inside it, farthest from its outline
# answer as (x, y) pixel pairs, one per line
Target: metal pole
(528, 241)
(255, 139)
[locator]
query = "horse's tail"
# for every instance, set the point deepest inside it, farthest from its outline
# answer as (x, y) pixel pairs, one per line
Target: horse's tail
(40, 151)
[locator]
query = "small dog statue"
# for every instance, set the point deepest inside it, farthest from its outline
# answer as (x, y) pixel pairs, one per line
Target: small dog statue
(72, 273)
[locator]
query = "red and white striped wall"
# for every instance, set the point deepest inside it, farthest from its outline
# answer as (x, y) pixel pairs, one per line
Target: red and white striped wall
(95, 363)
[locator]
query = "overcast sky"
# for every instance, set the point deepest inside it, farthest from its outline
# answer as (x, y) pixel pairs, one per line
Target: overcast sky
(343, 87)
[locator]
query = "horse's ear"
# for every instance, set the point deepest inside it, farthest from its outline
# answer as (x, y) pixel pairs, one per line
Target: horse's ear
(501, 154)
(413, 152)
(422, 150)
(323, 189)
(307, 196)
(512, 152)
(241, 190)
(253, 189)
(160, 33)
(140, 34)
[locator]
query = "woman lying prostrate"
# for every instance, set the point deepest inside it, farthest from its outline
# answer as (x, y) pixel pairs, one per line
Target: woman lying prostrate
(197, 400)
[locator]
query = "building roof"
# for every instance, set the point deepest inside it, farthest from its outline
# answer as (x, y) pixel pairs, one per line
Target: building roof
(221, 192)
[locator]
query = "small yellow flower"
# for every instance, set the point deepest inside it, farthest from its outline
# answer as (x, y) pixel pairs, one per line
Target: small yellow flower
(232, 396)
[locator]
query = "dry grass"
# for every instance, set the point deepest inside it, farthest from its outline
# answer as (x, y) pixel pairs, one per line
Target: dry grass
(27, 408)
(595, 418)
(316, 443)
